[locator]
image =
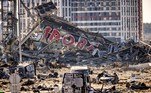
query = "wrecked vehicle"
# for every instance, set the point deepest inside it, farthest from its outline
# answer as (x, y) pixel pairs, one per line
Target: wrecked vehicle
(75, 83)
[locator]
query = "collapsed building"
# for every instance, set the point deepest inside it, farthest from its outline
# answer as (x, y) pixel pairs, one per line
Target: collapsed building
(59, 43)
(63, 42)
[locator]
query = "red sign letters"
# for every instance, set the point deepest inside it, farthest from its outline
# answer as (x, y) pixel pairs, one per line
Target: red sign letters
(67, 40)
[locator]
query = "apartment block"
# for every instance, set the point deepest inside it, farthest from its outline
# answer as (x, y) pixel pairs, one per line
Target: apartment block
(117, 20)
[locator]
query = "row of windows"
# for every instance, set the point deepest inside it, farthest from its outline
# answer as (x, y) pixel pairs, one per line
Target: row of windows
(129, 2)
(105, 29)
(133, 28)
(99, 24)
(103, 3)
(96, 8)
(111, 34)
(97, 14)
(92, 18)
(92, 0)
(127, 26)
(127, 35)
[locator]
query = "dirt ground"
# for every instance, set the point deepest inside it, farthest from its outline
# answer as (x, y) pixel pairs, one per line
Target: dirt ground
(124, 75)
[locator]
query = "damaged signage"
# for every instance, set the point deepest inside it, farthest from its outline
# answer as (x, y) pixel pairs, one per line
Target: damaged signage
(68, 39)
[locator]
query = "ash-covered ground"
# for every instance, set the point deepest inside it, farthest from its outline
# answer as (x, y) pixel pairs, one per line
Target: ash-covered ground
(44, 82)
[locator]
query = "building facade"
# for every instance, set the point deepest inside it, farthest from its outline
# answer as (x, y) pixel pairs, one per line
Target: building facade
(117, 20)
(26, 22)
(7, 17)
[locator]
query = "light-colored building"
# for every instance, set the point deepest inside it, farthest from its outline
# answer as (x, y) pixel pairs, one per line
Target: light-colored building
(117, 20)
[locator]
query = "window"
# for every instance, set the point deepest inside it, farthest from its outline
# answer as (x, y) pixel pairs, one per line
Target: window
(98, 3)
(119, 34)
(63, 2)
(105, 14)
(105, 34)
(66, 11)
(113, 3)
(107, 4)
(113, 8)
(104, 3)
(66, 3)
(107, 8)
(114, 29)
(28, 4)
(113, 13)
(113, 34)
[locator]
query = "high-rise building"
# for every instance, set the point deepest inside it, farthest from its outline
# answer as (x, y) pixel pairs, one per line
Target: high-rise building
(117, 20)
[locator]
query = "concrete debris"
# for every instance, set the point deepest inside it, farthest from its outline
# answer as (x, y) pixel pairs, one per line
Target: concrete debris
(28, 82)
(111, 89)
(26, 70)
(134, 83)
(40, 88)
(140, 66)
(104, 77)
(5, 83)
(137, 85)
(43, 88)
(3, 74)
(53, 75)
(36, 91)
(42, 76)
(24, 88)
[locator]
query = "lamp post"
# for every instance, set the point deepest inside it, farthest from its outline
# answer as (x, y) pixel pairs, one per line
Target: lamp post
(18, 30)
